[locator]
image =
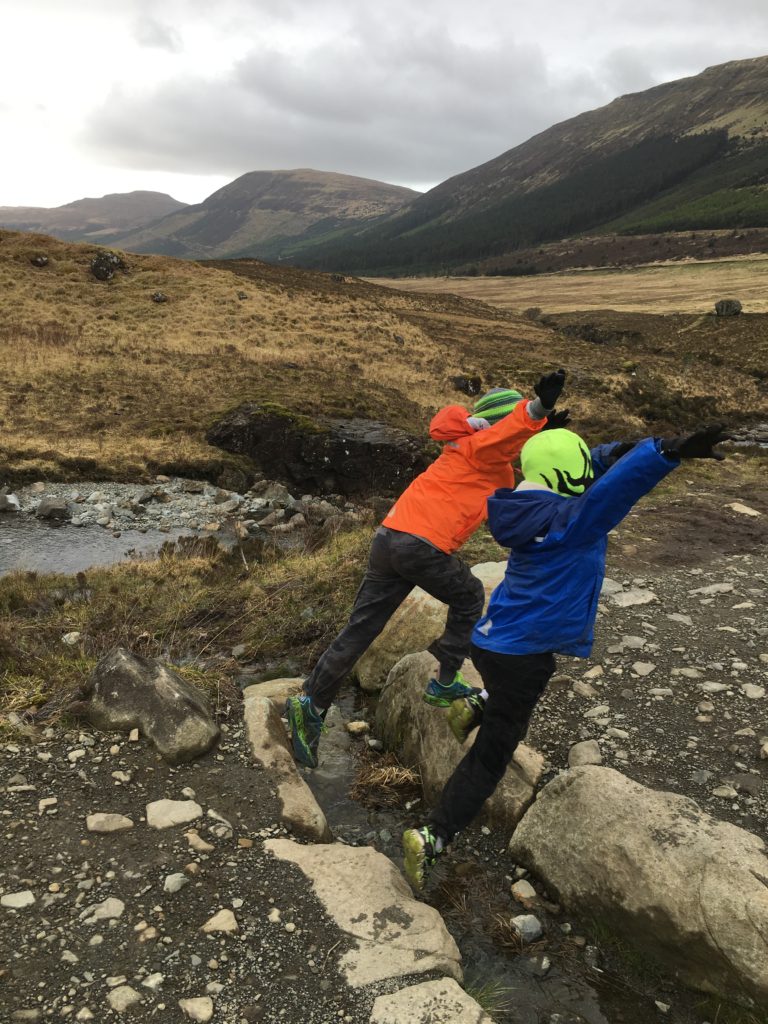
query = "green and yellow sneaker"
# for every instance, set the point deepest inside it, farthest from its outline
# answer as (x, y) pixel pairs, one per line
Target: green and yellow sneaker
(420, 852)
(306, 726)
(441, 695)
(465, 715)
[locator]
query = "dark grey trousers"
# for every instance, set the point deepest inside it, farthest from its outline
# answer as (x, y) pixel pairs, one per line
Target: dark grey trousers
(398, 562)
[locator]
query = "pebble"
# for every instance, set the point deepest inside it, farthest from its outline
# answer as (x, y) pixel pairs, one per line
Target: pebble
(18, 900)
(274, 916)
(199, 1009)
(597, 712)
(528, 928)
(123, 998)
(725, 792)
(358, 728)
(108, 910)
(173, 883)
(524, 892)
(153, 982)
(105, 823)
(223, 921)
(752, 691)
(643, 668)
(633, 598)
(46, 804)
(167, 813)
(586, 752)
(711, 687)
(197, 843)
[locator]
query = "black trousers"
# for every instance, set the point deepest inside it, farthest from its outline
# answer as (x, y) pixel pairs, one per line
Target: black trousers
(398, 562)
(514, 682)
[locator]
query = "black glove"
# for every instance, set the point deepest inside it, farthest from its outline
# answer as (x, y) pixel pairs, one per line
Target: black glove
(555, 420)
(698, 445)
(622, 448)
(549, 387)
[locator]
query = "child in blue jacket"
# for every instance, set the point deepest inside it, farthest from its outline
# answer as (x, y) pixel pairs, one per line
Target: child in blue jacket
(556, 524)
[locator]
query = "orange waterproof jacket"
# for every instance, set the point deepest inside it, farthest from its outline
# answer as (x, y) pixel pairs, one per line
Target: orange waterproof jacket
(447, 502)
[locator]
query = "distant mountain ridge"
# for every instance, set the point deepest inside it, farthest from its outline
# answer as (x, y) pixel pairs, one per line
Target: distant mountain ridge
(99, 220)
(270, 215)
(689, 154)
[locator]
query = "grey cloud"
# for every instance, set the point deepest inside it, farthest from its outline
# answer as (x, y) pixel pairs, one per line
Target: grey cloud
(149, 32)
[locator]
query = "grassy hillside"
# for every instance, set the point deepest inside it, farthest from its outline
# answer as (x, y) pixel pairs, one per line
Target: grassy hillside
(100, 381)
(685, 155)
(268, 214)
(92, 219)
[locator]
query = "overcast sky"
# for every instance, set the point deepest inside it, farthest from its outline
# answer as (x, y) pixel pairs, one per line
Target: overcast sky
(182, 96)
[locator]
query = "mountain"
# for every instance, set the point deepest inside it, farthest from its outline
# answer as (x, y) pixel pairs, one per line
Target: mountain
(91, 219)
(690, 154)
(269, 215)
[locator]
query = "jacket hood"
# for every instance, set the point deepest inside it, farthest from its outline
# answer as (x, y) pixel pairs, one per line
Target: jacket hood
(516, 517)
(450, 424)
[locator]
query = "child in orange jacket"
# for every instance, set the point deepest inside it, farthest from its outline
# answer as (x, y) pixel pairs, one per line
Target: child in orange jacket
(416, 544)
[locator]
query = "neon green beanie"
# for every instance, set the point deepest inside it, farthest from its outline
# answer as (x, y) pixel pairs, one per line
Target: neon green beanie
(497, 404)
(560, 459)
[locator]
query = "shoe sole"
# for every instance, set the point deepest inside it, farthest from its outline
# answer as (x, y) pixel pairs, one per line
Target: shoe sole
(413, 848)
(301, 750)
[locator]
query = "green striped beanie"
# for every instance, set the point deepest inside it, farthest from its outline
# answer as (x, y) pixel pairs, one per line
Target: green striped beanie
(496, 404)
(560, 460)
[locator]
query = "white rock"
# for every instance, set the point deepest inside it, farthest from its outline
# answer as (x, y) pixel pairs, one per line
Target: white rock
(153, 982)
(528, 928)
(223, 921)
(107, 823)
(123, 998)
(710, 687)
(167, 813)
(610, 587)
(46, 804)
(197, 843)
(274, 916)
(524, 892)
(679, 617)
(643, 668)
(199, 1009)
(173, 883)
(108, 910)
(586, 752)
(71, 639)
(752, 691)
(18, 900)
(84, 1014)
(712, 589)
(743, 510)
(597, 712)
(633, 598)
(725, 792)
(441, 1002)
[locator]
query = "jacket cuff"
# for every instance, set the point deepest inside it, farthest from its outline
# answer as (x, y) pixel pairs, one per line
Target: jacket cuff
(536, 410)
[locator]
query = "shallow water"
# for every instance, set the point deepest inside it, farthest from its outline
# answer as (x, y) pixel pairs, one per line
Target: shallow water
(30, 544)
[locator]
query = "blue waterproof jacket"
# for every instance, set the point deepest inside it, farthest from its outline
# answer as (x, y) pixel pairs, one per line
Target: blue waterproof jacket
(548, 598)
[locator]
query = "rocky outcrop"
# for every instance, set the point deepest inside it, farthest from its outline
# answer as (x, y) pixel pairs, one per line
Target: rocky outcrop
(418, 621)
(350, 457)
(391, 934)
(270, 747)
(688, 890)
(127, 691)
(420, 736)
(432, 1002)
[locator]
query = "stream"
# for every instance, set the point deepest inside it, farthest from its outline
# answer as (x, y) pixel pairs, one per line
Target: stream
(33, 545)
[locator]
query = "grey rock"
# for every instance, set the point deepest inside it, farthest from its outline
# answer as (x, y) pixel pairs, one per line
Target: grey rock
(586, 752)
(53, 508)
(728, 307)
(528, 928)
(126, 691)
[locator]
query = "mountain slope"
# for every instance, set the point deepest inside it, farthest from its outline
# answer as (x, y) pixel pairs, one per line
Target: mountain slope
(99, 219)
(697, 146)
(269, 215)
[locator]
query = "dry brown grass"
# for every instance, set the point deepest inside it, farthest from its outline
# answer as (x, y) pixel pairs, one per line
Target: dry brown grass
(684, 287)
(97, 381)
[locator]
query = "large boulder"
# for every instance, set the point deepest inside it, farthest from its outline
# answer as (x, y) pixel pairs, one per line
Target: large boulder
(686, 889)
(269, 744)
(126, 691)
(420, 736)
(431, 1002)
(363, 892)
(322, 456)
(418, 621)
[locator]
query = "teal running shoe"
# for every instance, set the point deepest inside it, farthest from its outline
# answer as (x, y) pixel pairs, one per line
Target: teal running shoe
(420, 852)
(441, 695)
(465, 715)
(306, 726)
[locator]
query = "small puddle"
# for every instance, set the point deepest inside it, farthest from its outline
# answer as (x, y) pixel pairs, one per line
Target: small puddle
(28, 544)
